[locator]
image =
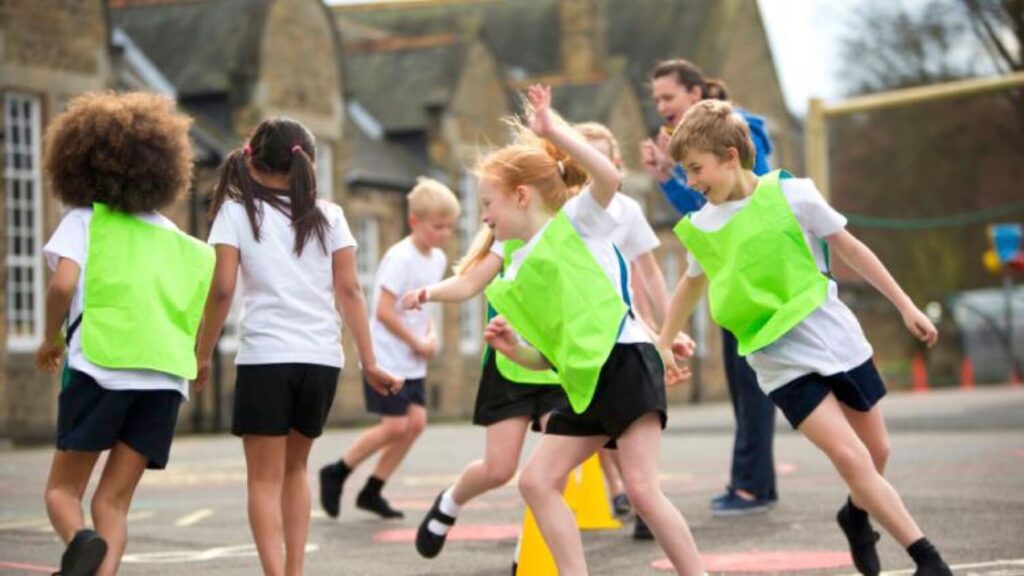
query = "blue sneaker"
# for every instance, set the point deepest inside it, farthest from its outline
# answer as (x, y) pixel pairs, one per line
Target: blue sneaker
(718, 500)
(731, 504)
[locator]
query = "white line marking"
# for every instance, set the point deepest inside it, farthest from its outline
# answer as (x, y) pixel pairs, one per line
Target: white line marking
(194, 518)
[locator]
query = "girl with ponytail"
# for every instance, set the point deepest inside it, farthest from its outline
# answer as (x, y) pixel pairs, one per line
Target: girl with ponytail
(296, 256)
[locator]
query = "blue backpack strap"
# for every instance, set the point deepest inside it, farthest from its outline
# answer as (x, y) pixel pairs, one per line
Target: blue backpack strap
(624, 287)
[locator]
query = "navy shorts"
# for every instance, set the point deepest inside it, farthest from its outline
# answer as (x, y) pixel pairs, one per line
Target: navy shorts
(91, 418)
(860, 389)
(413, 392)
(631, 384)
(271, 399)
(499, 398)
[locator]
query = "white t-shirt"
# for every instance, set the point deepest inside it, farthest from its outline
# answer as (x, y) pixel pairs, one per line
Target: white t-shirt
(596, 226)
(402, 269)
(71, 241)
(288, 312)
(830, 339)
(633, 234)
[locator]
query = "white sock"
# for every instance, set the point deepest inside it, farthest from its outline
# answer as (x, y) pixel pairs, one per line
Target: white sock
(447, 506)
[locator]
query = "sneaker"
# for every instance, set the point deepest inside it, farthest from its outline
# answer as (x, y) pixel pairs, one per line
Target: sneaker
(374, 502)
(641, 531)
(621, 505)
(734, 505)
(84, 554)
(429, 544)
(330, 490)
(718, 500)
(861, 538)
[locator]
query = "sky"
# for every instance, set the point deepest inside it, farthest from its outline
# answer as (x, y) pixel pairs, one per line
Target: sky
(805, 37)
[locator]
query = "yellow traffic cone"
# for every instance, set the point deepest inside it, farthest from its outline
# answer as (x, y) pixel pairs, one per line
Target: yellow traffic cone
(587, 497)
(532, 556)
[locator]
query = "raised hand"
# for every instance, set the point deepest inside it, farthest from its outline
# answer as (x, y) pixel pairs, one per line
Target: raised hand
(541, 122)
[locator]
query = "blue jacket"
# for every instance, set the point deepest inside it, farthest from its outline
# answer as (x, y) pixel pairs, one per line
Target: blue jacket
(686, 199)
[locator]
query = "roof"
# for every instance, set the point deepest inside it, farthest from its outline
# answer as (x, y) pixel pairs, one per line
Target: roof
(380, 164)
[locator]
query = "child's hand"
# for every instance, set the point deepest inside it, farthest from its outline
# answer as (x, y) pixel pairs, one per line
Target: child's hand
(540, 99)
(426, 347)
(654, 161)
(414, 299)
(920, 326)
(49, 356)
(381, 381)
(683, 346)
(500, 336)
(202, 375)
(674, 373)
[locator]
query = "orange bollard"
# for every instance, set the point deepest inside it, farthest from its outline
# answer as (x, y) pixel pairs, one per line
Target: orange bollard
(919, 373)
(966, 373)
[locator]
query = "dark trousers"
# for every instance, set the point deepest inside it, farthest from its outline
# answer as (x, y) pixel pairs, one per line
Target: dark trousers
(753, 465)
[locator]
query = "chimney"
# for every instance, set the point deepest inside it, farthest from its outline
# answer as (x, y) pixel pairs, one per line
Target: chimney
(584, 42)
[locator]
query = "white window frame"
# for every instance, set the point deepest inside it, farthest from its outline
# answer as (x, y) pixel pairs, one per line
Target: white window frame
(471, 314)
(367, 235)
(325, 169)
(23, 121)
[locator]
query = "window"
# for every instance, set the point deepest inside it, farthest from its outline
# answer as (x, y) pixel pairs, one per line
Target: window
(367, 254)
(325, 169)
(471, 316)
(24, 221)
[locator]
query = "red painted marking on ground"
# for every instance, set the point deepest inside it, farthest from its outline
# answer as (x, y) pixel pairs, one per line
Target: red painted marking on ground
(768, 561)
(29, 567)
(465, 533)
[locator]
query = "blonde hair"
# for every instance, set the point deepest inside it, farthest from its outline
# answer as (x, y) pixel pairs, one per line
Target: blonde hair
(713, 126)
(595, 131)
(528, 161)
(429, 198)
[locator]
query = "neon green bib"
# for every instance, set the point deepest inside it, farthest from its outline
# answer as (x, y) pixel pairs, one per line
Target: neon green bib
(507, 368)
(762, 278)
(145, 289)
(563, 304)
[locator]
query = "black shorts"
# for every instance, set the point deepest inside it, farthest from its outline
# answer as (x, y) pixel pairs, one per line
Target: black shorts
(91, 418)
(271, 399)
(499, 398)
(631, 384)
(860, 389)
(413, 392)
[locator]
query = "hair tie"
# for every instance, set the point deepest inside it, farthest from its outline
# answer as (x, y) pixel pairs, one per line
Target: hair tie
(561, 168)
(296, 149)
(247, 150)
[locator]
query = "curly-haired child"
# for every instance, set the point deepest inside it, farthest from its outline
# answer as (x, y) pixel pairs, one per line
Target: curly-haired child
(130, 288)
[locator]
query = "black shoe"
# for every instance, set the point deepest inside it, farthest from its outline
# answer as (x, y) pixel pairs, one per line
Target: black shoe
(621, 505)
(429, 544)
(330, 490)
(84, 554)
(862, 538)
(641, 531)
(374, 502)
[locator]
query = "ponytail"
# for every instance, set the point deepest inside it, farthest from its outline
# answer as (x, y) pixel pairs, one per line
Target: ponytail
(478, 250)
(307, 219)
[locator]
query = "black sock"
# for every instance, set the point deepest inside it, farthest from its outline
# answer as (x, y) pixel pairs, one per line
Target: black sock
(374, 485)
(923, 552)
(856, 514)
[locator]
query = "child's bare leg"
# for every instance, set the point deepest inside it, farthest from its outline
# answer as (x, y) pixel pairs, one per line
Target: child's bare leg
(389, 430)
(504, 444)
(69, 476)
(541, 484)
(395, 451)
(610, 466)
(870, 428)
(295, 501)
(829, 430)
(638, 455)
(264, 467)
(113, 497)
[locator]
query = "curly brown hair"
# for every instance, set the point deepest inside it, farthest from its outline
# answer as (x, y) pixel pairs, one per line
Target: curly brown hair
(130, 151)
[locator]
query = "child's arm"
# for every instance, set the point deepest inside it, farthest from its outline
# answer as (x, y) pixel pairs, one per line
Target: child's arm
(388, 316)
(604, 176)
(457, 288)
(687, 294)
(866, 263)
(348, 298)
(500, 336)
(59, 294)
(653, 283)
(218, 304)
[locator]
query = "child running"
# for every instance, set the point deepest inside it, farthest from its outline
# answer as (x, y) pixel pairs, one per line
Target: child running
(405, 340)
(566, 294)
(756, 248)
(297, 260)
(131, 288)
